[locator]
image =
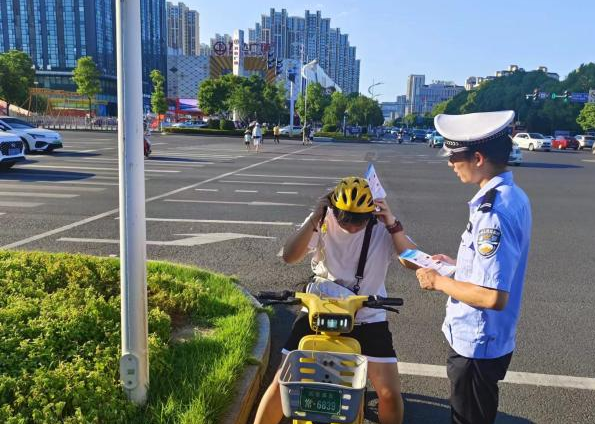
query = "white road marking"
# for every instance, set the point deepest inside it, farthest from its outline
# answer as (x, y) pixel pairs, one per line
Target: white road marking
(289, 176)
(220, 202)
(193, 240)
(588, 160)
(326, 160)
(87, 168)
(513, 377)
(218, 221)
(104, 183)
(97, 150)
(287, 192)
(37, 194)
(20, 204)
(150, 162)
(151, 199)
(270, 183)
(246, 191)
(49, 187)
(206, 189)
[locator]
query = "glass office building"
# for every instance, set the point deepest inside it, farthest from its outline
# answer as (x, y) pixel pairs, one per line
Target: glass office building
(55, 33)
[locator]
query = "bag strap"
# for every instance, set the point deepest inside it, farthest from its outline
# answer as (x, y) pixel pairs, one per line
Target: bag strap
(359, 275)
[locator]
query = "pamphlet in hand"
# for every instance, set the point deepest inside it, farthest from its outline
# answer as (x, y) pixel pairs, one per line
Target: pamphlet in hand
(375, 186)
(421, 259)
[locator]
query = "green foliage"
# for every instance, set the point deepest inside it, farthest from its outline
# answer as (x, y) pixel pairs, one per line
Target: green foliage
(509, 92)
(86, 77)
(329, 128)
(586, 118)
(226, 124)
(338, 136)
(214, 93)
(16, 76)
(410, 119)
(60, 332)
(333, 114)
(317, 102)
(365, 111)
(439, 108)
(39, 104)
(158, 100)
(214, 124)
(203, 131)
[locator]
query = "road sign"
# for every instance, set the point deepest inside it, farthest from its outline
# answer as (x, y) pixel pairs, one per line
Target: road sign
(579, 97)
(591, 96)
(543, 95)
(220, 48)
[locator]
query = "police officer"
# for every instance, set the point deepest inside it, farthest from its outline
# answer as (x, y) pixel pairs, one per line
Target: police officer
(485, 292)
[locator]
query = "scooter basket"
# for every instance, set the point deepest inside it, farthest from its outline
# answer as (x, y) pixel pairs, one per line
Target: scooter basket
(324, 387)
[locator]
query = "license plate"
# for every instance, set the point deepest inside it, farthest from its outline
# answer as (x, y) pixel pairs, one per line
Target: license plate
(321, 400)
(13, 152)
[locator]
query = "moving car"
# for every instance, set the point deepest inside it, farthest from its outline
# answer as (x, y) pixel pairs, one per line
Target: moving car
(435, 140)
(532, 141)
(418, 135)
(585, 141)
(297, 129)
(516, 156)
(34, 139)
(563, 142)
(11, 150)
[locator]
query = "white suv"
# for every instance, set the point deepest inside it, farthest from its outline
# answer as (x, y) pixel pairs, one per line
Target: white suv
(532, 141)
(11, 150)
(36, 139)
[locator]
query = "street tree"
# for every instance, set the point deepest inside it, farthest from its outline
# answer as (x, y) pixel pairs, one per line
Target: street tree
(214, 94)
(274, 107)
(86, 78)
(410, 119)
(365, 111)
(317, 102)
(16, 77)
(586, 117)
(158, 100)
(334, 112)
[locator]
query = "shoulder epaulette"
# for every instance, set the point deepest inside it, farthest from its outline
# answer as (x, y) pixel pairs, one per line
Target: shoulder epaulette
(487, 203)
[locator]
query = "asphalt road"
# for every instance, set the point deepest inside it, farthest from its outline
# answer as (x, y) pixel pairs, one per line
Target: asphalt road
(215, 205)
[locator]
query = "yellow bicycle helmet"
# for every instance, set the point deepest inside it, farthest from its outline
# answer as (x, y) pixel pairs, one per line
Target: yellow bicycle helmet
(353, 194)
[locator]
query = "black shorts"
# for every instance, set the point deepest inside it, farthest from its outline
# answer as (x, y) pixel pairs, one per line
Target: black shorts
(375, 338)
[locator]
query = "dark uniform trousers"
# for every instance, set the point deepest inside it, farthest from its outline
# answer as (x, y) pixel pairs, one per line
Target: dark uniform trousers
(474, 387)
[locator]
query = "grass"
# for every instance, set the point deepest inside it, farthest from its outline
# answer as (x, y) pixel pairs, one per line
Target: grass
(60, 341)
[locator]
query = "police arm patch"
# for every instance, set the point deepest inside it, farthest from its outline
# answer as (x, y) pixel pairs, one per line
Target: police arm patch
(488, 240)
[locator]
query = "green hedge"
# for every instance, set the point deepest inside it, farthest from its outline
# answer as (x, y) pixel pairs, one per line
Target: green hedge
(203, 131)
(340, 136)
(60, 341)
(226, 124)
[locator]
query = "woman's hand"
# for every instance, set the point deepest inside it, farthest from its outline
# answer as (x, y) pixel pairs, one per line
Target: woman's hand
(383, 212)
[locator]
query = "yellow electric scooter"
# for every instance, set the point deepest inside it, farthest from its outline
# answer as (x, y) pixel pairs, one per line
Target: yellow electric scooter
(324, 380)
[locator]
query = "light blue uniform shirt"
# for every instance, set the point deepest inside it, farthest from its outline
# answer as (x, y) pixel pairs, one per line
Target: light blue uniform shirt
(493, 253)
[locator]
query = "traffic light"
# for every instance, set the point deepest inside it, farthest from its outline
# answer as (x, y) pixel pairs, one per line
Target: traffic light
(566, 96)
(291, 75)
(271, 60)
(278, 67)
(535, 94)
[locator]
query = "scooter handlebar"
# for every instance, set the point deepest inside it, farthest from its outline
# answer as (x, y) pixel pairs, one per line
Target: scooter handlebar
(275, 295)
(379, 301)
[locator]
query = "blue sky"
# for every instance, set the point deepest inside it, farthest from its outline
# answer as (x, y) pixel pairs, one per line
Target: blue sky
(443, 39)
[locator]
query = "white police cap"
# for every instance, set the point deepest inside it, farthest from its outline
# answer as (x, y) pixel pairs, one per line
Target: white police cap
(461, 132)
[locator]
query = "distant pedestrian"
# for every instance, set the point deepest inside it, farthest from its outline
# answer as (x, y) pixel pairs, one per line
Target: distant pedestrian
(257, 136)
(311, 135)
(247, 138)
(276, 132)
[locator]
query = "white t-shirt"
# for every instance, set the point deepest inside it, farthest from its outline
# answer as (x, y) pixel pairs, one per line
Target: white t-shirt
(337, 256)
(256, 132)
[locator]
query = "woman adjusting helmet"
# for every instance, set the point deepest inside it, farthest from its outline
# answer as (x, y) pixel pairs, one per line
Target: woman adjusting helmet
(353, 194)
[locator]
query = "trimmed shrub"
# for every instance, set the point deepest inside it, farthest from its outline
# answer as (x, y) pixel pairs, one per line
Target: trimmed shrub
(203, 131)
(329, 128)
(60, 332)
(226, 124)
(214, 124)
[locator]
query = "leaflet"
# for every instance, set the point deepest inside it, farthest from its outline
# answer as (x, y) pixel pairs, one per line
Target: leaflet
(375, 186)
(421, 259)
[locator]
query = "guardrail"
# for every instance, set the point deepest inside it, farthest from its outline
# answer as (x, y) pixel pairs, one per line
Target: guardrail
(72, 123)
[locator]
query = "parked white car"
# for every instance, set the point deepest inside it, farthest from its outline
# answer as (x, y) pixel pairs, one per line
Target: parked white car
(285, 130)
(585, 141)
(190, 124)
(11, 150)
(35, 139)
(516, 156)
(532, 141)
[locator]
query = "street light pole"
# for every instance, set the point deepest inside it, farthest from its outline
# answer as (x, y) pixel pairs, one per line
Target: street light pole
(134, 362)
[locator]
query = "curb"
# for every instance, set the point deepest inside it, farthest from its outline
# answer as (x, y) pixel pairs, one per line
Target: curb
(248, 386)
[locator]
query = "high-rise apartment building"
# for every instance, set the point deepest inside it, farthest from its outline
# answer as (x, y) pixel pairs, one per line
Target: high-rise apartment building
(422, 97)
(56, 33)
(308, 38)
(183, 29)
